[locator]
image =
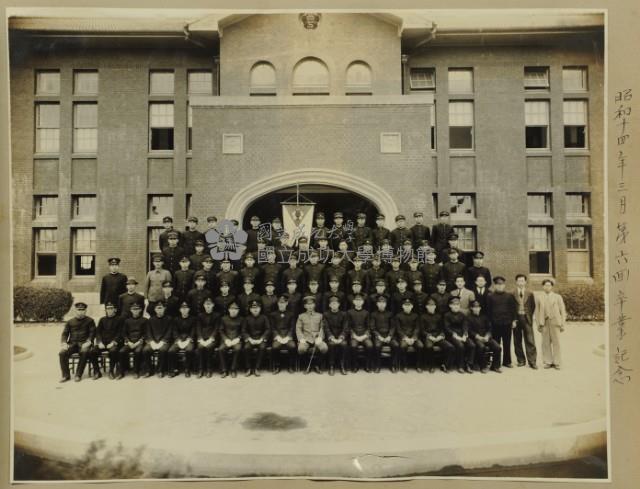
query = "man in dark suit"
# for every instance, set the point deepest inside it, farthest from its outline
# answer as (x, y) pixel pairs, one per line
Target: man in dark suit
(419, 232)
(163, 239)
(191, 235)
(523, 331)
(172, 253)
(113, 283)
(478, 269)
(77, 337)
(440, 233)
(158, 337)
(380, 232)
(502, 312)
(400, 233)
(480, 290)
(108, 338)
(130, 297)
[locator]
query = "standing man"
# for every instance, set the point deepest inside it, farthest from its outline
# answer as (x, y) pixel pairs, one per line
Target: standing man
(465, 295)
(457, 328)
(400, 234)
(431, 271)
(183, 279)
(198, 257)
(501, 310)
(153, 282)
(524, 327)
(452, 269)
(130, 297)
(481, 291)
(338, 232)
(282, 323)
(550, 317)
(252, 234)
(77, 337)
(310, 328)
(163, 239)
(113, 283)
(361, 233)
(320, 229)
(108, 339)
(440, 233)
(191, 235)
(478, 269)
(480, 334)
(336, 333)
(172, 252)
(314, 270)
(419, 232)
(380, 232)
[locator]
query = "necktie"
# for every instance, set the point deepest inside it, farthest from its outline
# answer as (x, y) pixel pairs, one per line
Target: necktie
(521, 294)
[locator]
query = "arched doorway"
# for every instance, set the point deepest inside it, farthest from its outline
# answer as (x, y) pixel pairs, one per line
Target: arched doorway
(328, 199)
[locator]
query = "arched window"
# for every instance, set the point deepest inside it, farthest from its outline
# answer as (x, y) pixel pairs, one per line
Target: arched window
(311, 76)
(263, 79)
(358, 79)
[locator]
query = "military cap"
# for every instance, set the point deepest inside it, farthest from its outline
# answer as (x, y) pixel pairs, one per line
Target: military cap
(136, 305)
(334, 298)
(313, 281)
(254, 304)
(443, 214)
(442, 282)
(212, 219)
(226, 260)
(475, 304)
(192, 219)
(356, 281)
(167, 219)
(381, 281)
(292, 281)
(199, 275)
(249, 255)
(207, 259)
(80, 305)
(157, 257)
(337, 214)
(430, 250)
(320, 214)
(167, 283)
(114, 261)
(407, 301)
(309, 298)
(452, 251)
(224, 283)
(234, 305)
(380, 216)
(400, 217)
(418, 214)
(255, 218)
(401, 279)
(361, 215)
(395, 258)
(269, 282)
(159, 304)
(109, 304)
(417, 281)
(293, 255)
(453, 236)
(185, 258)
(407, 241)
(132, 280)
(431, 300)
(381, 298)
(386, 241)
(453, 299)
(499, 279)
(333, 278)
(184, 304)
(283, 298)
(377, 257)
(313, 253)
(276, 219)
(322, 236)
(357, 258)
(302, 239)
(478, 254)
(199, 242)
(208, 299)
(358, 296)
(172, 234)
(248, 280)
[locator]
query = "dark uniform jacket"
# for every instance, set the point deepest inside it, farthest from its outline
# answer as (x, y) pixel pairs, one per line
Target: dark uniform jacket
(431, 324)
(361, 275)
(316, 232)
(184, 328)
(455, 322)
(269, 303)
(335, 323)
(358, 321)
(159, 329)
(411, 276)
(231, 277)
(255, 327)
(112, 286)
(134, 329)
(474, 272)
(172, 258)
(450, 271)
(109, 329)
(222, 302)
(283, 323)
(296, 274)
(440, 235)
(373, 274)
(271, 271)
(255, 274)
(163, 239)
(392, 277)
(372, 299)
(338, 272)
(502, 308)
(182, 282)
(295, 303)
(196, 298)
(208, 326)
(189, 240)
(407, 325)
(230, 328)
(478, 325)
(442, 302)
(244, 300)
(431, 275)
(481, 298)
(195, 261)
(420, 232)
(126, 300)
(337, 234)
(172, 304)
(78, 331)
(382, 323)
(397, 298)
(420, 301)
(341, 296)
(398, 235)
(360, 235)
(380, 233)
(252, 239)
(315, 272)
(211, 280)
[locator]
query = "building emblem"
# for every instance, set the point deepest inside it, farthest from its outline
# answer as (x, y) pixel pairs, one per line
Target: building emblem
(310, 20)
(226, 240)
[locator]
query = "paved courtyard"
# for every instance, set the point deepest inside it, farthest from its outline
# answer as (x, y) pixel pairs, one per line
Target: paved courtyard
(306, 418)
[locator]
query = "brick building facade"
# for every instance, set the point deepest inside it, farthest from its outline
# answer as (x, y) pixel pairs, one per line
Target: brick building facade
(503, 128)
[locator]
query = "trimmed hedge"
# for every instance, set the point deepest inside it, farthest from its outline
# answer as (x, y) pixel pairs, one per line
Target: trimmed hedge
(583, 302)
(40, 304)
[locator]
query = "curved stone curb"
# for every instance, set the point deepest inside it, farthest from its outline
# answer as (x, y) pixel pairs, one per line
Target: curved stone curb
(17, 357)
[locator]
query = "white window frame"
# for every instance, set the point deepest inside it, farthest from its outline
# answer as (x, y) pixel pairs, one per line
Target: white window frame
(533, 80)
(547, 248)
(432, 128)
(87, 250)
(84, 207)
(583, 70)
(547, 204)
(583, 252)
(453, 123)
(569, 120)
(200, 87)
(469, 200)
(529, 121)
(163, 204)
(422, 78)
(47, 128)
(162, 82)
(42, 84)
(263, 79)
(161, 121)
(189, 128)
(466, 235)
(52, 235)
(85, 135)
(585, 204)
(153, 242)
(45, 203)
(92, 81)
(461, 85)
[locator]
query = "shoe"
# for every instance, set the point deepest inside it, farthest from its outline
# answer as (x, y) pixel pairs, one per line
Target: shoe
(112, 375)
(497, 370)
(120, 376)
(444, 368)
(461, 370)
(484, 370)
(276, 371)
(355, 370)
(508, 365)
(97, 375)
(521, 364)
(147, 375)
(317, 369)
(534, 366)
(419, 369)
(557, 367)
(200, 374)
(187, 374)
(256, 372)
(548, 365)
(223, 375)
(432, 369)
(377, 370)
(343, 371)
(161, 375)
(234, 374)
(405, 369)
(306, 372)
(172, 375)
(136, 375)
(332, 371)
(64, 379)
(209, 374)
(468, 369)
(77, 378)
(248, 374)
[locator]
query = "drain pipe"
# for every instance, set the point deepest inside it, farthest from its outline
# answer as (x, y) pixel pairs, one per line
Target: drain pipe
(431, 37)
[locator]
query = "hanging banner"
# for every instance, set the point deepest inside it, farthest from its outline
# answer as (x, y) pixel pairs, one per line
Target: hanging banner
(297, 220)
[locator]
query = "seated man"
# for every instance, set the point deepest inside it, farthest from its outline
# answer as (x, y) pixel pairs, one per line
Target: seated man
(336, 334)
(434, 337)
(108, 339)
(184, 331)
(230, 339)
(255, 332)
(77, 337)
(207, 328)
(283, 327)
(358, 327)
(158, 338)
(480, 333)
(383, 332)
(310, 334)
(457, 329)
(133, 331)
(408, 331)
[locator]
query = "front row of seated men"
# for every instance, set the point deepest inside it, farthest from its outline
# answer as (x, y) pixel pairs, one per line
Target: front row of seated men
(452, 340)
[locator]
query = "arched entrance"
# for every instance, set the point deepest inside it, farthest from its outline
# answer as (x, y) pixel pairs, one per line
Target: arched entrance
(320, 179)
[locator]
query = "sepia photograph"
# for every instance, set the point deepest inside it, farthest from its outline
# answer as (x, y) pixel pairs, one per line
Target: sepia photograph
(320, 244)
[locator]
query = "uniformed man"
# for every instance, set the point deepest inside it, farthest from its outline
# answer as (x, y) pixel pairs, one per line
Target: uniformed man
(212, 222)
(358, 273)
(380, 232)
(400, 233)
(295, 298)
(130, 297)
(432, 328)
(360, 336)
(400, 295)
(406, 254)
(452, 244)
(278, 237)
(163, 239)
(465, 295)
(196, 296)
(171, 301)
(133, 333)
(356, 290)
(229, 276)
(408, 334)
(207, 329)
(376, 272)
(172, 252)
(441, 296)
(198, 256)
(210, 274)
(452, 269)
(319, 229)
(310, 327)
(158, 338)
(153, 281)
(314, 270)
(419, 232)
(419, 297)
(293, 272)
(303, 251)
(393, 275)
(247, 297)
(346, 255)
(108, 338)
(251, 271)
(271, 270)
(282, 322)
(256, 331)
(336, 332)
(411, 272)
(361, 233)
(269, 300)
(77, 337)
(502, 311)
(380, 289)
(183, 279)
(440, 232)
(478, 269)
(383, 332)
(113, 283)
(230, 339)
(325, 253)
(252, 234)
(313, 290)
(457, 328)
(335, 271)
(224, 299)
(431, 271)
(480, 333)
(184, 332)
(334, 290)
(191, 235)
(481, 291)
(338, 232)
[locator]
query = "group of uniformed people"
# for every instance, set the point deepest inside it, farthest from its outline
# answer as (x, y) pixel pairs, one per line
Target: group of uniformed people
(331, 305)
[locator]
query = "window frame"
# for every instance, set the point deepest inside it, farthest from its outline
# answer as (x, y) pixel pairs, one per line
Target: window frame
(91, 130)
(76, 205)
(586, 251)
(171, 135)
(586, 203)
(358, 88)
(263, 89)
(169, 206)
(548, 204)
(157, 73)
(38, 91)
(77, 74)
(549, 249)
(151, 231)
(547, 127)
(470, 197)
(37, 204)
(37, 252)
(311, 89)
(191, 83)
(414, 82)
(39, 129)
(471, 128)
(451, 82)
(76, 253)
(537, 69)
(461, 231)
(584, 103)
(585, 78)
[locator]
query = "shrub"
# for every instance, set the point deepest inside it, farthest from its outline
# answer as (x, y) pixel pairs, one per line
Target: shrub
(583, 302)
(40, 303)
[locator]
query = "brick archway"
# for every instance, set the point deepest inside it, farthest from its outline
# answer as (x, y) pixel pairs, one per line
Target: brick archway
(243, 198)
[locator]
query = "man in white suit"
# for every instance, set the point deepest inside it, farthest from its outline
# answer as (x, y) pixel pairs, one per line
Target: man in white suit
(550, 316)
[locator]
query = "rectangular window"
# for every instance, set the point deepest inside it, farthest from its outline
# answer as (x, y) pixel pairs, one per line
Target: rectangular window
(574, 78)
(45, 247)
(189, 128)
(540, 250)
(539, 205)
(536, 77)
(45, 207)
(47, 128)
(460, 80)
(578, 205)
(160, 206)
(188, 206)
(161, 126)
(84, 207)
(161, 82)
(462, 206)
(85, 82)
(436, 210)
(200, 82)
(85, 127)
(461, 125)
(575, 123)
(422, 79)
(536, 119)
(153, 243)
(84, 251)
(578, 251)
(466, 237)
(433, 127)
(48, 82)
